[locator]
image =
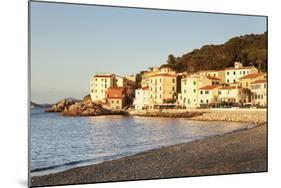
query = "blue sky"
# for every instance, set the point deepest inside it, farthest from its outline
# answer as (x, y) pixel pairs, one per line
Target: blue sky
(69, 43)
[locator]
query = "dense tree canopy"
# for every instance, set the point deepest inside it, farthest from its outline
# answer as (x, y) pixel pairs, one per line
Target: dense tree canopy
(249, 49)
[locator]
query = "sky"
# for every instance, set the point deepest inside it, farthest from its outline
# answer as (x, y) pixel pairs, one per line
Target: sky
(69, 43)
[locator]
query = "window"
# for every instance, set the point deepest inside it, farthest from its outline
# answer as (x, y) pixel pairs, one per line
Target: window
(155, 81)
(173, 88)
(201, 92)
(234, 80)
(219, 92)
(214, 74)
(227, 73)
(102, 79)
(95, 90)
(173, 80)
(234, 72)
(244, 72)
(102, 91)
(92, 90)
(188, 101)
(194, 82)
(201, 101)
(227, 80)
(117, 101)
(160, 96)
(207, 101)
(112, 101)
(264, 86)
(105, 86)
(240, 72)
(160, 80)
(246, 84)
(261, 96)
(194, 90)
(180, 97)
(160, 88)
(184, 91)
(206, 92)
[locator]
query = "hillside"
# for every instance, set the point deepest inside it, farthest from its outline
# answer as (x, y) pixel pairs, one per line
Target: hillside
(249, 49)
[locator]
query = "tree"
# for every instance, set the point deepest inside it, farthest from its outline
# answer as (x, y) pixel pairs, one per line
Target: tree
(246, 95)
(171, 60)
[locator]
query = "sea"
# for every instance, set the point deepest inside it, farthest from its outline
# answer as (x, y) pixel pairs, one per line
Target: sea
(58, 143)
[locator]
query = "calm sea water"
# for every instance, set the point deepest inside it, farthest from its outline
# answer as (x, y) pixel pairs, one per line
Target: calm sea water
(59, 143)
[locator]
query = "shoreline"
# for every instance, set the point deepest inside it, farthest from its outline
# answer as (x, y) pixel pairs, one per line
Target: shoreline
(244, 151)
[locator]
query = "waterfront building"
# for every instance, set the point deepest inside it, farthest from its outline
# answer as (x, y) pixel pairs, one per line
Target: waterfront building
(116, 97)
(99, 84)
(230, 94)
(208, 95)
(259, 92)
(245, 81)
(162, 85)
(232, 74)
(188, 97)
(141, 100)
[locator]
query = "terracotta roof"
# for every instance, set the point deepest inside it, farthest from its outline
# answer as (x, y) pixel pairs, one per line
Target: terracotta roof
(212, 78)
(209, 87)
(233, 68)
(229, 87)
(163, 74)
(259, 81)
(103, 76)
(249, 76)
(115, 92)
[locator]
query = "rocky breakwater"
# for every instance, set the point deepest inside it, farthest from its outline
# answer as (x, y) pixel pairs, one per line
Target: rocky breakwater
(68, 107)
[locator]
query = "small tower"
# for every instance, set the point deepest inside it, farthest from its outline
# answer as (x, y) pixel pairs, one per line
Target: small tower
(238, 65)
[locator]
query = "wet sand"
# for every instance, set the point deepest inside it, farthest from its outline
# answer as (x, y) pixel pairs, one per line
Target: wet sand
(240, 152)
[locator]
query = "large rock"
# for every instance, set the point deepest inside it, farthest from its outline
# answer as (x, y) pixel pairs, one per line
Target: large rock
(62, 105)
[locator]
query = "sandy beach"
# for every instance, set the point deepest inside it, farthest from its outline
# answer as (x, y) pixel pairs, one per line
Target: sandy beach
(239, 152)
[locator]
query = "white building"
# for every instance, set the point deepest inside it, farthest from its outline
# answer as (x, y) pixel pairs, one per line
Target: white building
(208, 95)
(141, 100)
(233, 74)
(259, 93)
(229, 94)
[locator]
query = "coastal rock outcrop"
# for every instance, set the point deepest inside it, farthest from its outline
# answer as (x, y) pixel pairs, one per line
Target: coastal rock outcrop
(81, 108)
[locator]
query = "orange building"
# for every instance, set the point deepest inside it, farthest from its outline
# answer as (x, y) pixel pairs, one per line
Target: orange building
(116, 97)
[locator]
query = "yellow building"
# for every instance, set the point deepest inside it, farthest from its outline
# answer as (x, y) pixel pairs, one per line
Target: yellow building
(162, 85)
(233, 74)
(208, 95)
(259, 92)
(220, 74)
(245, 81)
(188, 97)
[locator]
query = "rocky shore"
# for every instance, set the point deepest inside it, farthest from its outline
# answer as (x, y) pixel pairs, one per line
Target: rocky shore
(239, 152)
(86, 107)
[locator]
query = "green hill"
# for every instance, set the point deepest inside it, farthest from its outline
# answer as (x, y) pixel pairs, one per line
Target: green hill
(249, 49)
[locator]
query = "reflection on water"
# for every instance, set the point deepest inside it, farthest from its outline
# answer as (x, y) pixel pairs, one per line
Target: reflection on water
(58, 142)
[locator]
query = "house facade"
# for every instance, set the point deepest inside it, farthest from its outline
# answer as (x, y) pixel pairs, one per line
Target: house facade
(141, 100)
(245, 81)
(99, 85)
(229, 94)
(259, 93)
(208, 95)
(233, 74)
(188, 97)
(116, 98)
